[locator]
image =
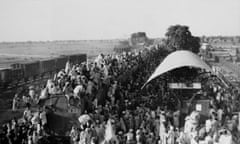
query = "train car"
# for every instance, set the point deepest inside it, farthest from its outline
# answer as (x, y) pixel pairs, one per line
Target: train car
(17, 74)
(5, 76)
(16, 66)
(31, 69)
(23, 71)
(10, 76)
(74, 59)
(78, 58)
(61, 62)
(82, 58)
(47, 66)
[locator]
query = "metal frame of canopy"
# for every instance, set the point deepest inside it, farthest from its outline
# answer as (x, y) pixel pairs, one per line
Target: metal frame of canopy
(178, 59)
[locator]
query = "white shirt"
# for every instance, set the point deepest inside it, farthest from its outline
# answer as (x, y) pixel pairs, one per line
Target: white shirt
(35, 119)
(43, 117)
(225, 139)
(208, 125)
(44, 94)
(27, 113)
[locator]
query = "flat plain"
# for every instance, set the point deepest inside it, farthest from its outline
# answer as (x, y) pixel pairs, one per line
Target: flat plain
(15, 52)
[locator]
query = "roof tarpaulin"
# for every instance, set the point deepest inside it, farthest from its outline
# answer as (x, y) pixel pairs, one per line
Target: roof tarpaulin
(179, 59)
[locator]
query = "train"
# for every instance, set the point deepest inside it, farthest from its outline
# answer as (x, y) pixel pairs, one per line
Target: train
(30, 70)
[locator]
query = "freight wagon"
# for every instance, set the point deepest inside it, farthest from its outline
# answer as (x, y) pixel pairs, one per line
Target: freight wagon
(30, 70)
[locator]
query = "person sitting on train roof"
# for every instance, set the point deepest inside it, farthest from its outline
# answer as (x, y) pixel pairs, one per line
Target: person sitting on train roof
(27, 100)
(27, 114)
(52, 88)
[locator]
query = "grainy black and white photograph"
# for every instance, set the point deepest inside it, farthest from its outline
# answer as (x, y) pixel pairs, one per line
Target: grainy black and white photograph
(119, 71)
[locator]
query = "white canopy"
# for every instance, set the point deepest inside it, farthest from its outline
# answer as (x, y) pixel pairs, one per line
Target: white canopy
(179, 59)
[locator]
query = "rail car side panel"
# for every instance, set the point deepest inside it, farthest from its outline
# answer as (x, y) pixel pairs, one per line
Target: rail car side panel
(82, 58)
(31, 69)
(47, 66)
(61, 62)
(17, 74)
(74, 59)
(5, 76)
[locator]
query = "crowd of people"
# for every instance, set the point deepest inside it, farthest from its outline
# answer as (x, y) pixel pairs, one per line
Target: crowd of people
(26, 130)
(117, 110)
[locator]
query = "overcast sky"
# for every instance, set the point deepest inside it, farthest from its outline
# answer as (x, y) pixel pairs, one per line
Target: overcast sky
(34, 20)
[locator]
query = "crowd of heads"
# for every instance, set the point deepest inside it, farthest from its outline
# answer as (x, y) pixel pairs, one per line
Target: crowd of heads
(108, 90)
(27, 130)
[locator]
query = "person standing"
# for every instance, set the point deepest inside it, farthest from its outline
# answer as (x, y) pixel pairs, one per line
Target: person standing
(35, 137)
(163, 129)
(15, 102)
(74, 135)
(239, 121)
(130, 137)
(27, 114)
(176, 118)
(43, 117)
(171, 136)
(30, 141)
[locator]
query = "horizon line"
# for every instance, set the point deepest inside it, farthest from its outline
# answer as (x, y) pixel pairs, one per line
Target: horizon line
(104, 39)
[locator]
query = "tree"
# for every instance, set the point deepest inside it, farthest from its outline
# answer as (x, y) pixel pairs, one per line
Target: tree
(180, 38)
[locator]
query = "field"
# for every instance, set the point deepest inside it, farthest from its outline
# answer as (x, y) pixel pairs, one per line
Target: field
(33, 51)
